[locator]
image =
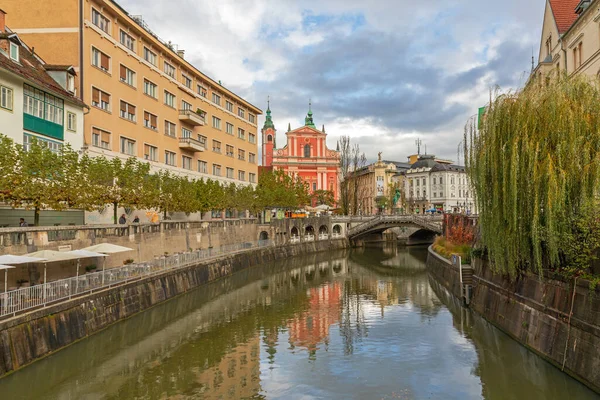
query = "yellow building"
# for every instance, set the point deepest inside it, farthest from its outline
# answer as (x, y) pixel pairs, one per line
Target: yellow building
(570, 41)
(146, 100)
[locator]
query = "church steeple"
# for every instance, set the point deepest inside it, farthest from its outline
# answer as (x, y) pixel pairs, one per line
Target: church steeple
(268, 118)
(308, 121)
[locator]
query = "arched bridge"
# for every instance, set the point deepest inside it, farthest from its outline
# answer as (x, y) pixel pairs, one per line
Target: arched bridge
(381, 223)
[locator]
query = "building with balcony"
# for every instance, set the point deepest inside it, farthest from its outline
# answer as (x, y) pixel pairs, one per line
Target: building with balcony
(37, 100)
(429, 185)
(147, 101)
(305, 154)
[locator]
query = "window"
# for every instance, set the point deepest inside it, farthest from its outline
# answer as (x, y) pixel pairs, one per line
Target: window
(150, 153)
(229, 128)
(6, 98)
(230, 173)
(100, 60)
(241, 175)
(169, 158)
(127, 111)
(186, 133)
(127, 146)
(71, 122)
(424, 182)
(252, 138)
(14, 51)
(202, 139)
(418, 182)
(127, 40)
(100, 99)
(202, 166)
(440, 180)
(216, 146)
(150, 120)
(49, 144)
(201, 91)
(149, 56)
(307, 150)
(100, 20)
(169, 99)
(580, 53)
(186, 162)
(252, 177)
(185, 105)
(216, 123)
(170, 128)
(241, 133)
(126, 75)
(314, 186)
(216, 99)
(100, 138)
(434, 180)
(150, 88)
(252, 158)
(229, 151)
(241, 154)
(70, 83)
(187, 81)
(241, 112)
(229, 106)
(252, 118)
(216, 170)
(169, 70)
(42, 105)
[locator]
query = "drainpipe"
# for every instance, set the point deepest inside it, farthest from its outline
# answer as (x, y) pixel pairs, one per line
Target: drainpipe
(81, 87)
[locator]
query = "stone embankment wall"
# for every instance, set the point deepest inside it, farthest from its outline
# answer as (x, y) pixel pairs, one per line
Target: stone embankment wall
(535, 312)
(29, 337)
(146, 240)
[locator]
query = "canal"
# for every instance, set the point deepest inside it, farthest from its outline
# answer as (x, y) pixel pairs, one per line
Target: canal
(364, 324)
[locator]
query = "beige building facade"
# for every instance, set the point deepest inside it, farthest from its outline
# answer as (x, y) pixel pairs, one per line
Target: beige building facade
(146, 100)
(570, 41)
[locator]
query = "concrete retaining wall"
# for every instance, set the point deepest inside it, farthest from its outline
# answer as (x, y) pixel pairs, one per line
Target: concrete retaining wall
(535, 312)
(29, 337)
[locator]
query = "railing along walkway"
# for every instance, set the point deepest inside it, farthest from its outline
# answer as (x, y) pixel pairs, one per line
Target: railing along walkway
(431, 223)
(16, 301)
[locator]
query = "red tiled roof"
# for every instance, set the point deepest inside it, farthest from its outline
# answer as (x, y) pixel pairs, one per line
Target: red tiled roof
(564, 13)
(30, 68)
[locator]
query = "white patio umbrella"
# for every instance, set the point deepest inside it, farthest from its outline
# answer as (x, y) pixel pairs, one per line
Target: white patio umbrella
(50, 256)
(84, 254)
(5, 268)
(9, 259)
(107, 248)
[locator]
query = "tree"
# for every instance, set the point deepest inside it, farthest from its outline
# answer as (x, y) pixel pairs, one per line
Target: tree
(9, 176)
(325, 197)
(351, 160)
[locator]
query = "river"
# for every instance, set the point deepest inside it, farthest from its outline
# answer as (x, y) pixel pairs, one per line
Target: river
(364, 324)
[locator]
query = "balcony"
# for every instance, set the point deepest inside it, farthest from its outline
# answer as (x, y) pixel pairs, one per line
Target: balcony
(43, 127)
(195, 118)
(190, 144)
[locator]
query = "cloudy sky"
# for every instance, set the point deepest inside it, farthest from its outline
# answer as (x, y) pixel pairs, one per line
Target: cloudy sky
(384, 72)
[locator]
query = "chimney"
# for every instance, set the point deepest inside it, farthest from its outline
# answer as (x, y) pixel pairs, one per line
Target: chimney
(181, 53)
(2, 21)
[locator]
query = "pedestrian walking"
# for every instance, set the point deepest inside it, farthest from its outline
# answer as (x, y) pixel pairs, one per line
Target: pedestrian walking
(23, 223)
(123, 219)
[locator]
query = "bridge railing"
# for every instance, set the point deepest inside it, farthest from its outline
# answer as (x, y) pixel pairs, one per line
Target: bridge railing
(425, 222)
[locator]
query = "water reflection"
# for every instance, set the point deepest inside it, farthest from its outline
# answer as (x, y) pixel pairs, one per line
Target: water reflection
(369, 324)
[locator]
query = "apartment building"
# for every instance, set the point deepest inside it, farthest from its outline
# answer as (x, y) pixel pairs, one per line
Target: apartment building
(146, 99)
(570, 41)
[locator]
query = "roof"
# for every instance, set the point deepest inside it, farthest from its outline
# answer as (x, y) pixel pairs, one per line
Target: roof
(564, 13)
(448, 167)
(51, 67)
(425, 161)
(31, 68)
(398, 164)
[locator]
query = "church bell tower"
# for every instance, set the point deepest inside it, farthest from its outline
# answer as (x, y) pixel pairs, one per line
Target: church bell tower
(268, 138)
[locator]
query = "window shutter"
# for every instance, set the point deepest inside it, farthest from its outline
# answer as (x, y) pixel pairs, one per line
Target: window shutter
(123, 72)
(123, 106)
(146, 116)
(105, 97)
(104, 63)
(153, 120)
(105, 137)
(96, 95)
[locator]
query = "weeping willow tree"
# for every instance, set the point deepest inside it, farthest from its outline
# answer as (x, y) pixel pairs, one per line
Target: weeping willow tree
(534, 164)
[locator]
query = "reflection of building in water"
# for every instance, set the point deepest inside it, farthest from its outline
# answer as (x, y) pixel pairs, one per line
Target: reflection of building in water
(236, 376)
(311, 327)
(386, 295)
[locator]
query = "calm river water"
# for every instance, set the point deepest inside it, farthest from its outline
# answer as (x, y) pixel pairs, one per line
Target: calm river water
(365, 324)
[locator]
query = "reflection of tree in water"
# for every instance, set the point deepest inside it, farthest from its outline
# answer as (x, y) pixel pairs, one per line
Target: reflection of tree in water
(352, 326)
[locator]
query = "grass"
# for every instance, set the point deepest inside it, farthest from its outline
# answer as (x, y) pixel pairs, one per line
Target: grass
(446, 248)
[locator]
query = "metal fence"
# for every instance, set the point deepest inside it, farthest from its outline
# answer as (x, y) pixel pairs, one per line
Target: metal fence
(15, 301)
